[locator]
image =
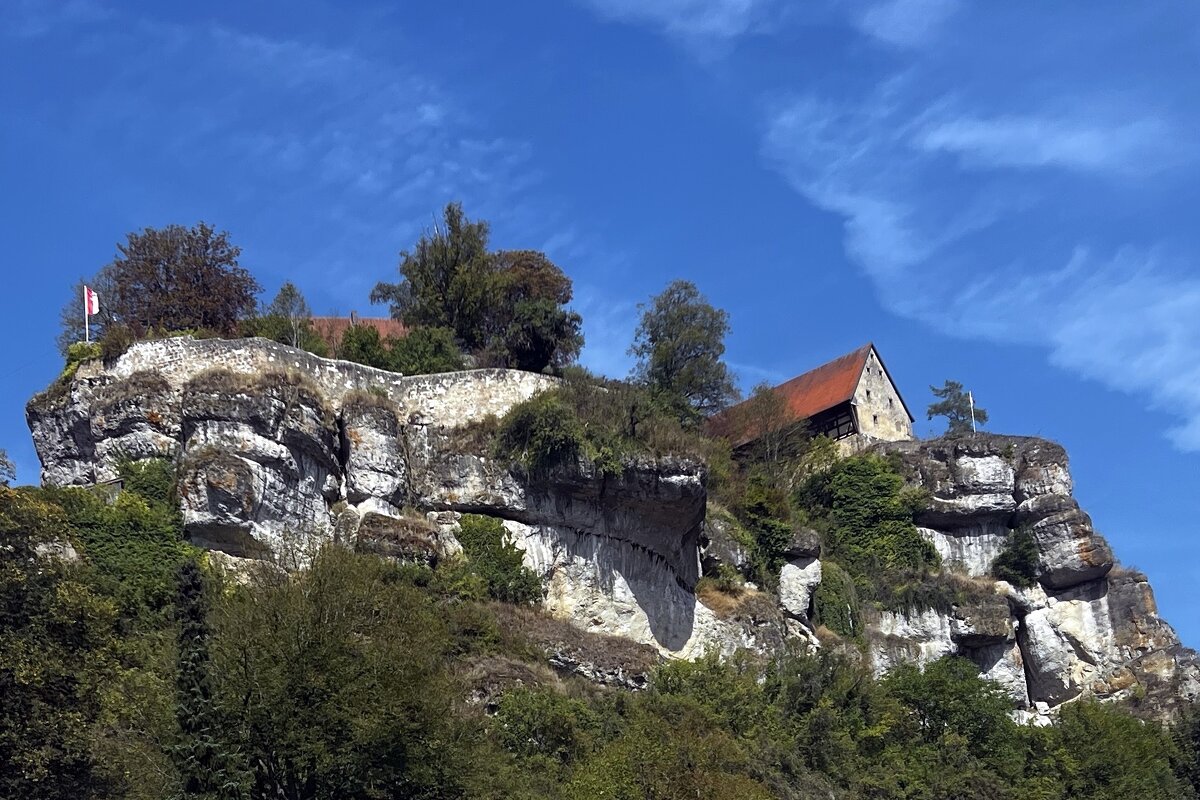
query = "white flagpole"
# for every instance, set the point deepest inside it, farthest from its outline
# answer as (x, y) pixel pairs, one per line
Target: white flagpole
(87, 331)
(971, 399)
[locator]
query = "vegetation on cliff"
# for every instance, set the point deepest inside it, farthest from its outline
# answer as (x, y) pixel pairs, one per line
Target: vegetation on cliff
(141, 671)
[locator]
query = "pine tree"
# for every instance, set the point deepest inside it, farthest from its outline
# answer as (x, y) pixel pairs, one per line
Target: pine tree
(955, 406)
(200, 755)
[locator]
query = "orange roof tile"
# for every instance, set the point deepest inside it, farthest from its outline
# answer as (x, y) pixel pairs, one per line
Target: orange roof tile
(807, 395)
(331, 329)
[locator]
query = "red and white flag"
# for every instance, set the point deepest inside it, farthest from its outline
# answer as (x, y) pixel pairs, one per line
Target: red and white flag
(91, 302)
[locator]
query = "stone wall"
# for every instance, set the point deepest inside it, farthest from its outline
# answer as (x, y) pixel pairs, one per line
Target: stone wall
(447, 399)
(881, 414)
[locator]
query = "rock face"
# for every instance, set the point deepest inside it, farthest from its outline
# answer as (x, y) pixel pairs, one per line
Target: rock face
(1084, 627)
(280, 451)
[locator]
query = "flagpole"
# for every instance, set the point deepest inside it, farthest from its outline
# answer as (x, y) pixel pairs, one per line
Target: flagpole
(87, 331)
(971, 399)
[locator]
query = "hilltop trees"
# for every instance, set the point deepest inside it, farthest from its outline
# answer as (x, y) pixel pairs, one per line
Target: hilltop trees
(7, 470)
(679, 347)
(506, 307)
(168, 279)
(955, 406)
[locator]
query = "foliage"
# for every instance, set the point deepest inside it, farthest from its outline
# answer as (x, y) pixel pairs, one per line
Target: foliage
(835, 602)
(497, 561)
(347, 680)
(335, 684)
(422, 351)
(287, 320)
(8, 471)
(70, 318)
(135, 543)
(1017, 562)
(201, 757)
(868, 516)
(679, 346)
(508, 307)
(56, 635)
(175, 278)
(955, 406)
(605, 422)
(1109, 754)
(151, 478)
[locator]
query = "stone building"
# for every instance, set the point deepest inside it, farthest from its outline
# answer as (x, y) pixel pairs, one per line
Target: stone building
(851, 399)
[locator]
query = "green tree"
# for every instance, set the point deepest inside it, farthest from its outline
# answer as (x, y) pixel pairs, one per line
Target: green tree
(499, 562)
(530, 328)
(178, 278)
(424, 351)
(1017, 562)
(8, 472)
(955, 406)
(508, 307)
(445, 280)
(287, 320)
(56, 656)
(679, 346)
(201, 755)
(336, 682)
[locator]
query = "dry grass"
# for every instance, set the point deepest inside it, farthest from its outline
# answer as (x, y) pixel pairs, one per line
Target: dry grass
(728, 604)
(367, 400)
(537, 633)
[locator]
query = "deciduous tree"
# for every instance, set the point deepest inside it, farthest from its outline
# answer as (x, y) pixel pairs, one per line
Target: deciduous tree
(679, 347)
(178, 278)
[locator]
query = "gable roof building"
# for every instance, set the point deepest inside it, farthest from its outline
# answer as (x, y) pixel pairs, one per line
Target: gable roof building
(851, 399)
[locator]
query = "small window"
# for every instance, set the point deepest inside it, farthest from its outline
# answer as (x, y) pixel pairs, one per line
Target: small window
(868, 394)
(889, 402)
(875, 418)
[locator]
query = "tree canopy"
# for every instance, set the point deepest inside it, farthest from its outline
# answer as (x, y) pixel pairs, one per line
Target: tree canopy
(178, 278)
(955, 406)
(508, 307)
(679, 346)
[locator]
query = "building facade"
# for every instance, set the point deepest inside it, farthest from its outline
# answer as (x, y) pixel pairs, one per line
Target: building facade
(851, 399)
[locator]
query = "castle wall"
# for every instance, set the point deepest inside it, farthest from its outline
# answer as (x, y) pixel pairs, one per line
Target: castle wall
(445, 399)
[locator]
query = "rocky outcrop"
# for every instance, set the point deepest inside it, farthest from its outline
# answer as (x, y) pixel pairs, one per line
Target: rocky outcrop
(280, 451)
(1082, 628)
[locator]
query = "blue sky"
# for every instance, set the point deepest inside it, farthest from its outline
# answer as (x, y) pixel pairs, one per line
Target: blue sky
(1003, 194)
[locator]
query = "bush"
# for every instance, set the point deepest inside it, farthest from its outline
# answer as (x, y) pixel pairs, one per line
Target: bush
(541, 432)
(152, 478)
(423, 351)
(835, 603)
(1018, 560)
(497, 561)
(868, 515)
(606, 422)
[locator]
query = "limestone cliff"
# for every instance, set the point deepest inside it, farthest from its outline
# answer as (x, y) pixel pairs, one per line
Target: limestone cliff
(279, 451)
(1086, 627)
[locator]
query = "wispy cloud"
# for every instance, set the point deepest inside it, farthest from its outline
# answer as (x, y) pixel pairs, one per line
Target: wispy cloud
(906, 23)
(691, 19)
(989, 243)
(1128, 147)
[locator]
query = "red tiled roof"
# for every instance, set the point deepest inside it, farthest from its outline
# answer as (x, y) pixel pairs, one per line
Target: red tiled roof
(331, 329)
(807, 395)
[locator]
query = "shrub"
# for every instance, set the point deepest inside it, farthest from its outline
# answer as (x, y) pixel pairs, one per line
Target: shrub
(835, 603)
(541, 723)
(497, 561)
(868, 514)
(541, 432)
(1017, 562)
(152, 478)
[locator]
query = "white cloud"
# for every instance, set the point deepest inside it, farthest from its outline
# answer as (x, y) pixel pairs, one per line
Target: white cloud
(906, 23)
(690, 19)
(943, 239)
(1090, 145)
